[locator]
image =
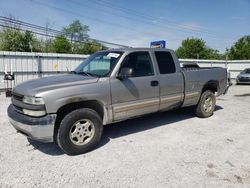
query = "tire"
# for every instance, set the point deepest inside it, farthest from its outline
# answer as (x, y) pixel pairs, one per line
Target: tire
(80, 131)
(206, 105)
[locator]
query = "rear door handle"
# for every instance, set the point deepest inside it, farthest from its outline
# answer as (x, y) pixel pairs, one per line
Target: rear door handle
(154, 83)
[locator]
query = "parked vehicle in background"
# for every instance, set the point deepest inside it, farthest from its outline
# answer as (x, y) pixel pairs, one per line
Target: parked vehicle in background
(111, 86)
(243, 77)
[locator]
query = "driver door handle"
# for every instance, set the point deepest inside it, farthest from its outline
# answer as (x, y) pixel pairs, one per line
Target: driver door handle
(154, 83)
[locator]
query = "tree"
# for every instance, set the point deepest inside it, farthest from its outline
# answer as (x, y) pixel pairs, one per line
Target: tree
(46, 44)
(29, 43)
(61, 45)
(12, 39)
(47, 41)
(241, 49)
(214, 54)
(194, 48)
(91, 47)
(76, 31)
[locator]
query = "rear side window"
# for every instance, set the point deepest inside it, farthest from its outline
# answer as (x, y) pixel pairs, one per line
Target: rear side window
(165, 62)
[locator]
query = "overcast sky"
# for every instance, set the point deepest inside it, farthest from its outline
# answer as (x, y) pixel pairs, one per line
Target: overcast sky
(137, 22)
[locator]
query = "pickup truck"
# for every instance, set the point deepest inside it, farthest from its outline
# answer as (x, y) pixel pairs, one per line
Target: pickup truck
(111, 86)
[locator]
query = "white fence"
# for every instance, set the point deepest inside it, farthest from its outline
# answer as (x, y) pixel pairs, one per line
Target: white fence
(235, 66)
(27, 65)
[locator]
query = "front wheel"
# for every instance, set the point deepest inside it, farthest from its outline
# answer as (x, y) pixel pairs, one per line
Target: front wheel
(206, 105)
(80, 131)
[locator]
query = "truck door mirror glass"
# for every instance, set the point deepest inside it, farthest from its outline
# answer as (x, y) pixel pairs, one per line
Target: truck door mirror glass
(125, 72)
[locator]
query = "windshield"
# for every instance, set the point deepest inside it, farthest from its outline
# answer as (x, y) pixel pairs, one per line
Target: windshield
(246, 71)
(99, 64)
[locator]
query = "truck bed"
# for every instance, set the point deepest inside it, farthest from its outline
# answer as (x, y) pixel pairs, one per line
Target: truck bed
(197, 77)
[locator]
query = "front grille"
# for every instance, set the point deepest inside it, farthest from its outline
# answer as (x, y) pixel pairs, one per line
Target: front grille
(18, 109)
(16, 99)
(242, 79)
(17, 96)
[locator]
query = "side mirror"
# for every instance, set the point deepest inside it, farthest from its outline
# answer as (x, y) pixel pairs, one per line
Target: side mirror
(125, 72)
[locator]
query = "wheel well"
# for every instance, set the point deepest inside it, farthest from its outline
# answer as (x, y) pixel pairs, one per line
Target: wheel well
(211, 85)
(92, 104)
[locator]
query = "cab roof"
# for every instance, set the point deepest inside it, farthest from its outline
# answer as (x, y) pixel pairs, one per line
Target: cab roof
(138, 49)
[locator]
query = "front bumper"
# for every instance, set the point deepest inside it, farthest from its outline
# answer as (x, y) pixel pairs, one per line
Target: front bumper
(242, 81)
(41, 129)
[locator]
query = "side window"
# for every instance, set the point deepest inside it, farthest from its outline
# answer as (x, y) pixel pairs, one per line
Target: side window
(140, 62)
(165, 62)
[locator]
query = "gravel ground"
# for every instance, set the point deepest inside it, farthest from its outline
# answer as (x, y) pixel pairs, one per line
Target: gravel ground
(171, 149)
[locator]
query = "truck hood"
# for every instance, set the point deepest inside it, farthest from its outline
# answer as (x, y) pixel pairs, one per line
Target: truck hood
(33, 87)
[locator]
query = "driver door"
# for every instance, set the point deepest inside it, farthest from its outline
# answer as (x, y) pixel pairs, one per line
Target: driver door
(139, 94)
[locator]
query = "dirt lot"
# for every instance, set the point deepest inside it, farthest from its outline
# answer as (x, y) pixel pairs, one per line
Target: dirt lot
(171, 149)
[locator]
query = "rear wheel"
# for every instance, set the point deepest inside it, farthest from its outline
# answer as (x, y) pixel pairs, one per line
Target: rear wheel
(80, 131)
(206, 105)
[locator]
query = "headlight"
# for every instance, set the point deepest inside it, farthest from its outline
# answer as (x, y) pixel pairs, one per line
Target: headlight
(33, 100)
(34, 113)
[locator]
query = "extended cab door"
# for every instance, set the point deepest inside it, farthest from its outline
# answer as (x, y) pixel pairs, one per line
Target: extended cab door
(138, 94)
(171, 80)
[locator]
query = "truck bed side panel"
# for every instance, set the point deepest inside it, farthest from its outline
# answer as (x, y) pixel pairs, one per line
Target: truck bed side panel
(197, 79)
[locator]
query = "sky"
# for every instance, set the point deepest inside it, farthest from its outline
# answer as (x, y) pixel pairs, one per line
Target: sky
(138, 22)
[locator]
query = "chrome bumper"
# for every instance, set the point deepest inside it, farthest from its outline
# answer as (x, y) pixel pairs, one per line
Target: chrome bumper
(41, 129)
(241, 82)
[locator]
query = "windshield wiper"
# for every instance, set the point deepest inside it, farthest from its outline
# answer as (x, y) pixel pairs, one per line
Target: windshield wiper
(86, 73)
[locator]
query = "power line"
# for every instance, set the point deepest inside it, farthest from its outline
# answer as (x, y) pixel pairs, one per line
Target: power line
(169, 26)
(26, 25)
(110, 23)
(53, 36)
(78, 14)
(40, 31)
(138, 14)
(15, 28)
(3, 18)
(142, 19)
(174, 25)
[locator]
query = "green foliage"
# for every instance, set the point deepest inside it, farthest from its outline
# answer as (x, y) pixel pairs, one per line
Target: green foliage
(75, 39)
(193, 48)
(60, 45)
(46, 44)
(90, 47)
(16, 40)
(13, 39)
(30, 43)
(241, 49)
(76, 31)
